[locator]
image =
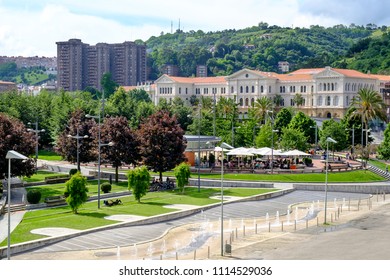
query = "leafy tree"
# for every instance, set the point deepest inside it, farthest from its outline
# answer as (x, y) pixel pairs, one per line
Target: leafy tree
(336, 131)
(139, 181)
(66, 146)
(108, 84)
(293, 138)
(384, 147)
(77, 191)
(120, 103)
(124, 139)
(182, 174)
(283, 119)
(264, 137)
(14, 136)
(162, 142)
(304, 123)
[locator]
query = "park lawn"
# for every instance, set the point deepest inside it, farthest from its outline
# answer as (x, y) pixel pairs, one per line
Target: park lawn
(49, 155)
(59, 189)
(333, 177)
(90, 216)
(40, 176)
(377, 163)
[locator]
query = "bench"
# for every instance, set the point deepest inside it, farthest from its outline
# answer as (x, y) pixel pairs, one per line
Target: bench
(55, 200)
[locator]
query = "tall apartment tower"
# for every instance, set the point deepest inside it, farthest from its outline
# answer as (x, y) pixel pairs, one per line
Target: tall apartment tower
(81, 65)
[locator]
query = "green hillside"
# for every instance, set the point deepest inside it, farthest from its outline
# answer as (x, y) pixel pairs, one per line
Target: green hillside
(258, 47)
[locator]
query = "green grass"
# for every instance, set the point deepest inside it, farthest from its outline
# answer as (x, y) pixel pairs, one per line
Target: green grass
(349, 176)
(40, 176)
(377, 163)
(90, 216)
(49, 155)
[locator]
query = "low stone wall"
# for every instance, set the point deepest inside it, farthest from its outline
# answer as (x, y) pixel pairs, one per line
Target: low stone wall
(358, 188)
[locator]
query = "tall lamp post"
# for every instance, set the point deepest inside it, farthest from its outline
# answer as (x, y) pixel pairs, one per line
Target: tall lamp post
(269, 113)
(326, 173)
(315, 138)
(100, 145)
(11, 155)
(36, 130)
(353, 138)
(78, 137)
(226, 146)
(199, 125)
(233, 128)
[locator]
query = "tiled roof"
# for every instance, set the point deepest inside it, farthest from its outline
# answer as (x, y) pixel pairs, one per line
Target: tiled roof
(199, 80)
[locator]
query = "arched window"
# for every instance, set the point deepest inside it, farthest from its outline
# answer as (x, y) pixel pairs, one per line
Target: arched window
(253, 89)
(347, 100)
(261, 89)
(241, 101)
(241, 89)
(247, 89)
(232, 89)
(246, 102)
(252, 102)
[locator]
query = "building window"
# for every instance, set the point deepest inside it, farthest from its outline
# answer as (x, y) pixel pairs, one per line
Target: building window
(327, 101)
(241, 89)
(241, 102)
(247, 89)
(261, 89)
(246, 102)
(336, 101)
(232, 89)
(319, 101)
(253, 89)
(179, 90)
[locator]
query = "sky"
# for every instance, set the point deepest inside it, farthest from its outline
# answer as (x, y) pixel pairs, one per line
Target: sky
(32, 27)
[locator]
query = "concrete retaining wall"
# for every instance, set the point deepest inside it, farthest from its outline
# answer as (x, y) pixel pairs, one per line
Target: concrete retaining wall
(230, 184)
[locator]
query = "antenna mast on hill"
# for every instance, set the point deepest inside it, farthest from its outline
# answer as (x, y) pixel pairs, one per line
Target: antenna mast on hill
(179, 24)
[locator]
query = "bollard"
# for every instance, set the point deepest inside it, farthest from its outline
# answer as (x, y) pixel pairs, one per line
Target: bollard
(358, 205)
(295, 225)
(160, 257)
(384, 196)
(331, 218)
(194, 255)
(282, 226)
(269, 227)
(243, 230)
(236, 233)
(208, 252)
(256, 229)
(317, 221)
(377, 195)
(307, 224)
(177, 256)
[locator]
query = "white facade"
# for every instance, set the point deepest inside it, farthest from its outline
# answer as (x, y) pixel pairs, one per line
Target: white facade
(327, 92)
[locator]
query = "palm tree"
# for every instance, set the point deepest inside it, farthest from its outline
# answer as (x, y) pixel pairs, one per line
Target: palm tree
(369, 105)
(299, 100)
(262, 105)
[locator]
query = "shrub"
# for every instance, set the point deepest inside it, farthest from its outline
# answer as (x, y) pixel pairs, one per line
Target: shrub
(33, 196)
(308, 161)
(105, 187)
(72, 171)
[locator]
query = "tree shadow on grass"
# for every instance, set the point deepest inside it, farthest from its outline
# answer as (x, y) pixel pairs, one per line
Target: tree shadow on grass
(92, 214)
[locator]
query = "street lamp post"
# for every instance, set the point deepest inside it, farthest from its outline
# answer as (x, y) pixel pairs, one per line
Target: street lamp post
(100, 145)
(353, 138)
(315, 138)
(233, 128)
(223, 145)
(36, 130)
(326, 173)
(199, 159)
(272, 150)
(11, 155)
(78, 137)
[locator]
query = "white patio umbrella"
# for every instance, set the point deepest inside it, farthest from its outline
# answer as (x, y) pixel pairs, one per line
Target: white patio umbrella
(295, 153)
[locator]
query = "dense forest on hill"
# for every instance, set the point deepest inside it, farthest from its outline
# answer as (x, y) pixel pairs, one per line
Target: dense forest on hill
(263, 46)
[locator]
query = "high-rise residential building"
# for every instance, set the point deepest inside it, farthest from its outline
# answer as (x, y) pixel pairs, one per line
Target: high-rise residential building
(81, 65)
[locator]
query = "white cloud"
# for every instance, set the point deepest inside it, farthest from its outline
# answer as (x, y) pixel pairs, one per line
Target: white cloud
(32, 27)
